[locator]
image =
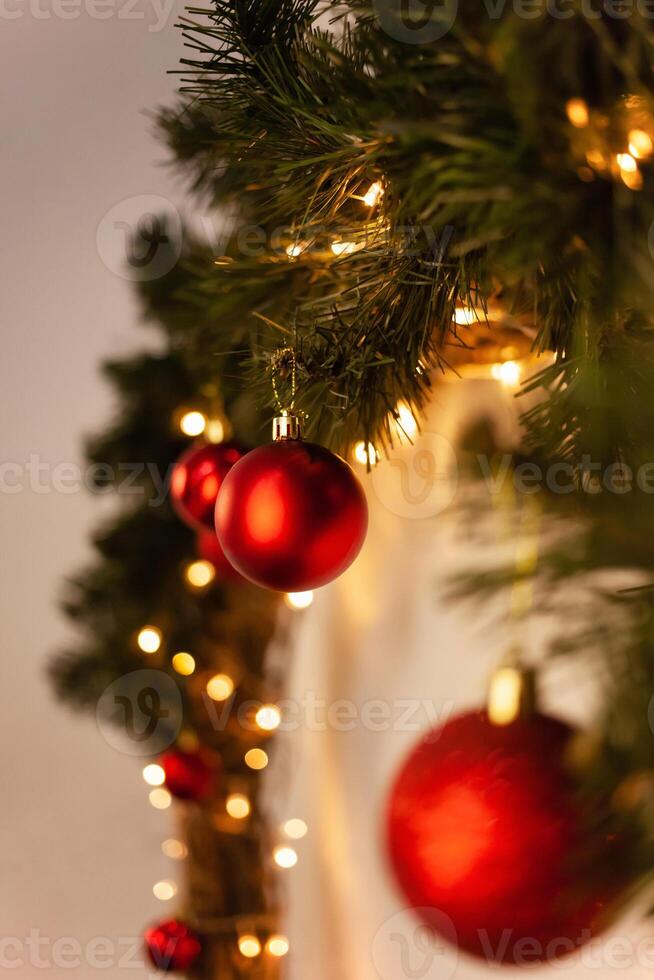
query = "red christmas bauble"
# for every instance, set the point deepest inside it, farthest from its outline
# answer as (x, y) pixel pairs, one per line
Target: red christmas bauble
(209, 549)
(189, 775)
(291, 516)
(196, 479)
(172, 947)
(485, 835)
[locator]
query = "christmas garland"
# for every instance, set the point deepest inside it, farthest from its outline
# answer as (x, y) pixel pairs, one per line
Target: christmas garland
(385, 196)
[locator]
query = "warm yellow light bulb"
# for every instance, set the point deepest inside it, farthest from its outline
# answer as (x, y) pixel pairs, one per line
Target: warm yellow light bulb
(164, 890)
(238, 806)
(220, 687)
(640, 144)
(577, 110)
(374, 194)
(174, 849)
(295, 829)
(364, 452)
(249, 946)
(298, 600)
(626, 162)
(199, 574)
(296, 249)
(256, 759)
(278, 946)
(160, 799)
(215, 431)
(154, 775)
(505, 696)
(149, 639)
(184, 664)
(405, 422)
(634, 181)
(344, 248)
(268, 717)
(193, 423)
(465, 315)
(508, 373)
(285, 857)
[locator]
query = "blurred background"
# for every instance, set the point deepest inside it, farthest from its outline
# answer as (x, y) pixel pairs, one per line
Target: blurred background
(80, 844)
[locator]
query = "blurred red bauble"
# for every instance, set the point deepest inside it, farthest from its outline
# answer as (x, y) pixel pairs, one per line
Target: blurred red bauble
(172, 947)
(484, 830)
(189, 775)
(196, 479)
(209, 549)
(291, 516)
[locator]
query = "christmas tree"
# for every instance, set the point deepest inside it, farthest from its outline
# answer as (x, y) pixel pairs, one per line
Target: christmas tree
(406, 192)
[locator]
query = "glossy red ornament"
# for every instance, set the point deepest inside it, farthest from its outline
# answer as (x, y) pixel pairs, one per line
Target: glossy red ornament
(189, 775)
(172, 947)
(485, 835)
(196, 479)
(291, 516)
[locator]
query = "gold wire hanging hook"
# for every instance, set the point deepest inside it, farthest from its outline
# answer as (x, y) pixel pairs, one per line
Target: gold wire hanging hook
(288, 424)
(280, 359)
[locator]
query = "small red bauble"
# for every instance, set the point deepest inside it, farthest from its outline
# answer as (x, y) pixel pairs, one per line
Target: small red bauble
(172, 947)
(189, 775)
(291, 516)
(196, 479)
(484, 830)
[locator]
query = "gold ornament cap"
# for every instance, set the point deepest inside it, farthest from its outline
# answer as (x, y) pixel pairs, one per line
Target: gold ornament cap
(287, 427)
(513, 695)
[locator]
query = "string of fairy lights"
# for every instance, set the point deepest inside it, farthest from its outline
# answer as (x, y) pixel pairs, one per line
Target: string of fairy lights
(252, 933)
(613, 146)
(253, 937)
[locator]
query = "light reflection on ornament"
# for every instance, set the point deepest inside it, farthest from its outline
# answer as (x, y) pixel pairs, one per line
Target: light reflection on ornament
(265, 514)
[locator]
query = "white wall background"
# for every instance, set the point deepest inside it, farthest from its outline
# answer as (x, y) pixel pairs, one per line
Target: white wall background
(79, 843)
